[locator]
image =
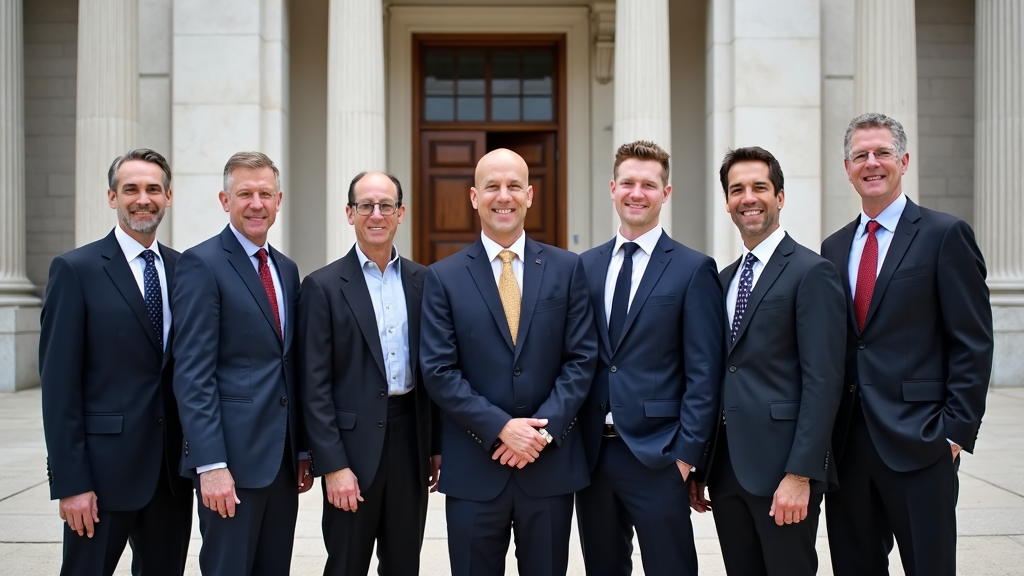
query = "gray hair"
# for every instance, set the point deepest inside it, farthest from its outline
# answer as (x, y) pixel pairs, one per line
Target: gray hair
(145, 155)
(251, 160)
(877, 120)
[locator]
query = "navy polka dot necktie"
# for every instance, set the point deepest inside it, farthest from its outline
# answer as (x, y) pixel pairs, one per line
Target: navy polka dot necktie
(154, 300)
(743, 292)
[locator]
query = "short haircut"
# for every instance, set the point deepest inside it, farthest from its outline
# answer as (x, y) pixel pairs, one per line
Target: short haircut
(253, 161)
(352, 187)
(642, 150)
(145, 155)
(877, 120)
(752, 153)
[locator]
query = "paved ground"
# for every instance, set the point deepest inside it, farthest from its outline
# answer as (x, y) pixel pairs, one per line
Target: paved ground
(991, 510)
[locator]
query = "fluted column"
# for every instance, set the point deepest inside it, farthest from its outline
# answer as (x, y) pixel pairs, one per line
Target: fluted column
(108, 106)
(885, 70)
(998, 174)
(19, 308)
(355, 108)
(642, 89)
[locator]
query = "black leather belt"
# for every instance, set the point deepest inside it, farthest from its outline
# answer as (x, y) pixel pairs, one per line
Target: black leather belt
(610, 431)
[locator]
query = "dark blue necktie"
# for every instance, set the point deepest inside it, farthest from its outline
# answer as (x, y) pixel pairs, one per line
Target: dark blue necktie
(620, 297)
(743, 292)
(154, 300)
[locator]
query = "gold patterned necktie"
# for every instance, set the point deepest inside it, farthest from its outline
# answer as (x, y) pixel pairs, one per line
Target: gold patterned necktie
(508, 289)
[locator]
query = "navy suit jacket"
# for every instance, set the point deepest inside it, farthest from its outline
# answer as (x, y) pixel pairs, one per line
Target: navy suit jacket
(661, 380)
(785, 372)
(343, 380)
(109, 415)
(234, 378)
(923, 361)
(480, 380)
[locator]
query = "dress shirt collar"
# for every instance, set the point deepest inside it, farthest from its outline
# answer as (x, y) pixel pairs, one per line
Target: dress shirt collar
(131, 247)
(888, 218)
(646, 241)
(363, 259)
(763, 251)
(493, 248)
(248, 245)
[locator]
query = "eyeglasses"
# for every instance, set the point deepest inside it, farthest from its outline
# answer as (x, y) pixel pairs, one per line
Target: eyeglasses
(881, 155)
(366, 208)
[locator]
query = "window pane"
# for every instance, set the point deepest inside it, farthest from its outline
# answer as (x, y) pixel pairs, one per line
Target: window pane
(471, 65)
(537, 65)
(439, 72)
(471, 108)
(537, 108)
(537, 86)
(505, 73)
(471, 87)
(504, 108)
(439, 108)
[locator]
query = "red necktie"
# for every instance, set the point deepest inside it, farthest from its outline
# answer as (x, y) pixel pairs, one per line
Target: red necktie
(866, 275)
(268, 285)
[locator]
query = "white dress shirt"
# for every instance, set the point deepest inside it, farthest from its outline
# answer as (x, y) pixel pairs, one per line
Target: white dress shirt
(646, 243)
(493, 249)
(888, 219)
(133, 254)
(387, 293)
(763, 252)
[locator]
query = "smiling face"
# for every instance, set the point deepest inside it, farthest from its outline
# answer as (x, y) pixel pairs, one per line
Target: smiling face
(252, 202)
(502, 195)
(877, 181)
(638, 193)
(375, 232)
(140, 199)
(751, 201)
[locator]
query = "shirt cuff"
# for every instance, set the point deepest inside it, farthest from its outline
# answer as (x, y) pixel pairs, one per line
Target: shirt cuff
(208, 467)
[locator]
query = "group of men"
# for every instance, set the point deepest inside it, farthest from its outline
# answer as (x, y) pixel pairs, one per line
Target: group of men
(621, 382)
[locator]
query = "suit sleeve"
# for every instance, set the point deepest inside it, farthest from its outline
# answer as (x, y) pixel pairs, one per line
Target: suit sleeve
(967, 320)
(314, 345)
(439, 360)
(703, 348)
(821, 347)
(61, 363)
(579, 359)
(196, 304)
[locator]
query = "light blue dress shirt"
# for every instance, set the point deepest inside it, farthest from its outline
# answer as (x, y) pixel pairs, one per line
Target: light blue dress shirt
(389, 307)
(888, 219)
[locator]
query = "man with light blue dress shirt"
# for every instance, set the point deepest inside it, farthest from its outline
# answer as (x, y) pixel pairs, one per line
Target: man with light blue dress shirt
(370, 424)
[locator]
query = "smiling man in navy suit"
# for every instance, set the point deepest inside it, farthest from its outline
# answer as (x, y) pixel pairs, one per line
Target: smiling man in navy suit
(235, 382)
(508, 349)
(654, 401)
(109, 416)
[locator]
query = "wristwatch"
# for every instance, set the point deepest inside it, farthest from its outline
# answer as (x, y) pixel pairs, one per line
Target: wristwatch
(546, 435)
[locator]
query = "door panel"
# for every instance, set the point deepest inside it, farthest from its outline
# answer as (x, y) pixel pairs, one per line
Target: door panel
(445, 218)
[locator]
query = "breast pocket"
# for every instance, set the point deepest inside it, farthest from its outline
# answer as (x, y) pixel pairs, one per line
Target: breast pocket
(553, 304)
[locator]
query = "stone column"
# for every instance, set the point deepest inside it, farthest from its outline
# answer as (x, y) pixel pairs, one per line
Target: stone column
(108, 106)
(885, 70)
(19, 308)
(999, 176)
(642, 81)
(355, 108)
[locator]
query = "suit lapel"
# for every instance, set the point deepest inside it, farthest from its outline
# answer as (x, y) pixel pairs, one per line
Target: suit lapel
(170, 261)
(243, 267)
(772, 269)
(904, 234)
(725, 278)
(412, 285)
(285, 274)
(655, 268)
(480, 270)
(358, 297)
(846, 242)
(533, 275)
(597, 287)
(121, 274)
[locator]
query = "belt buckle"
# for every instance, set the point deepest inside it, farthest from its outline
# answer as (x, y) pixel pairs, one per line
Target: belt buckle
(610, 431)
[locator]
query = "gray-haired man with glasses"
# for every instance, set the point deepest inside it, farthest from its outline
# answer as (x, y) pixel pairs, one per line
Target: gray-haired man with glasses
(370, 423)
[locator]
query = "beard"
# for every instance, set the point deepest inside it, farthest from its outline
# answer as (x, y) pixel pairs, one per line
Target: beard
(141, 226)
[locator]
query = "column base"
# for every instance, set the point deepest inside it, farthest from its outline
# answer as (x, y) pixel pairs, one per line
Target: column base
(1008, 324)
(19, 347)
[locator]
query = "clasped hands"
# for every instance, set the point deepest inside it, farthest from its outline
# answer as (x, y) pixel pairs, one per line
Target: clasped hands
(521, 443)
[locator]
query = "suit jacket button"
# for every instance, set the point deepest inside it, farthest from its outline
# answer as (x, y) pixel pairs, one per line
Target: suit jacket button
(861, 345)
(380, 424)
(601, 407)
(382, 393)
(732, 368)
(852, 387)
(284, 400)
(614, 369)
(160, 421)
(516, 372)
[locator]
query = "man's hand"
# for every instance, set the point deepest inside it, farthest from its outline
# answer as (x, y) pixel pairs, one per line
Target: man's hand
(218, 490)
(80, 512)
(955, 448)
(789, 503)
(684, 469)
(698, 500)
(520, 436)
(305, 476)
(435, 471)
(343, 489)
(508, 457)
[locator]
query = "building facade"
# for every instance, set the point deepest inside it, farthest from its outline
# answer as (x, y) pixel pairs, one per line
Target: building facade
(423, 88)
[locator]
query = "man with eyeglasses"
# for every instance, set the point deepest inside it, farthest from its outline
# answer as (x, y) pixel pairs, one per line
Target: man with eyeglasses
(918, 362)
(370, 424)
